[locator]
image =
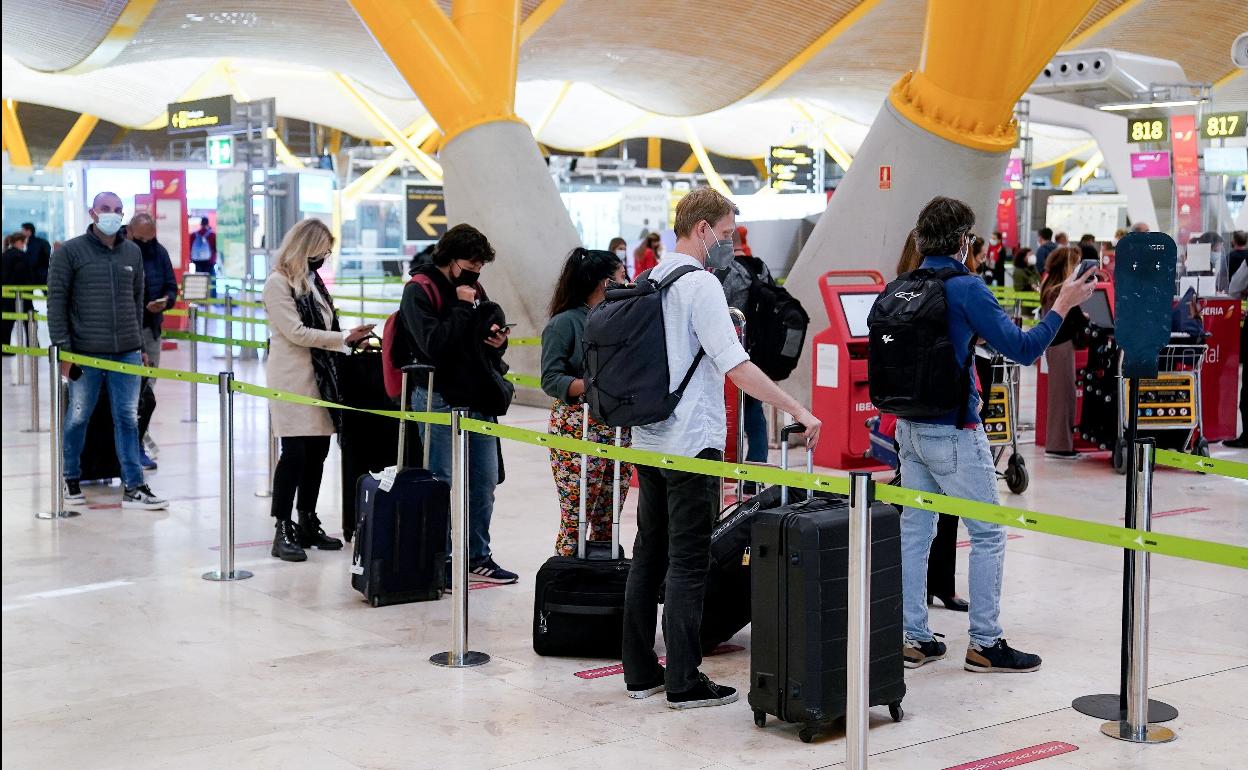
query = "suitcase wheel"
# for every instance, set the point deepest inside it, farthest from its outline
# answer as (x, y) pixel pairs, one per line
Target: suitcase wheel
(760, 718)
(375, 601)
(807, 734)
(896, 712)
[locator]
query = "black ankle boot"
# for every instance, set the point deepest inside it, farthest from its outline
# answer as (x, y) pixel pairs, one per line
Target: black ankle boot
(311, 534)
(286, 542)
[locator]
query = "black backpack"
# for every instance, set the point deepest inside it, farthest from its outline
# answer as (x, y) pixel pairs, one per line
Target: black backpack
(775, 327)
(913, 368)
(626, 376)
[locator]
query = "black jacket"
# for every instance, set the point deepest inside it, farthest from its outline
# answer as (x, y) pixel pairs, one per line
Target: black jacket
(38, 252)
(95, 296)
(158, 281)
(445, 336)
(16, 270)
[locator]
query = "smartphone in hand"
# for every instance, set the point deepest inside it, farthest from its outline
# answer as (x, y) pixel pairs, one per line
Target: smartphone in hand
(1085, 266)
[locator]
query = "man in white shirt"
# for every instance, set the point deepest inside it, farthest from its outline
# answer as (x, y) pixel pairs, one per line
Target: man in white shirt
(676, 510)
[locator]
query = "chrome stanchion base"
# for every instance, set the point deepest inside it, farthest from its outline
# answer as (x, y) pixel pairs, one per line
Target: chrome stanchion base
(470, 659)
(1152, 733)
(219, 576)
(264, 493)
(34, 430)
(1107, 706)
(68, 513)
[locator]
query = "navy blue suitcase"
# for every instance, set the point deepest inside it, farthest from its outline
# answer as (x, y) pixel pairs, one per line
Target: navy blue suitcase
(400, 539)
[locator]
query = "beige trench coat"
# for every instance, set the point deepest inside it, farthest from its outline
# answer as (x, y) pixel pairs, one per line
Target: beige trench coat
(289, 363)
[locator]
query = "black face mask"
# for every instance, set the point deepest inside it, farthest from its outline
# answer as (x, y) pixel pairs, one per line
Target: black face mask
(315, 263)
(466, 278)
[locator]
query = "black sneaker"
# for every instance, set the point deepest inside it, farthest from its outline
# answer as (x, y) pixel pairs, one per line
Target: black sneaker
(653, 686)
(489, 572)
(704, 693)
(1062, 455)
(73, 493)
(141, 497)
(916, 654)
(999, 658)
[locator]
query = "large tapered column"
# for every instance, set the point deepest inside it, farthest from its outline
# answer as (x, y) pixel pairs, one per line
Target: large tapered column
(946, 129)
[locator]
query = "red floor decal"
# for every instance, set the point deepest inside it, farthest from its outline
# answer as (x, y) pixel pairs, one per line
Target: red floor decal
(1177, 512)
(1019, 757)
(618, 668)
(967, 543)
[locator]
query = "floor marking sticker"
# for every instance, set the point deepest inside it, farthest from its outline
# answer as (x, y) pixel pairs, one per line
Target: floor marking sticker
(618, 668)
(1018, 757)
(1178, 512)
(967, 543)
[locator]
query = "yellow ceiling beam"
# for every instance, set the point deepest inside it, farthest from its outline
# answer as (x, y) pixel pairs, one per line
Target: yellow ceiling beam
(1228, 77)
(1085, 172)
(834, 148)
(335, 141)
(1059, 171)
(283, 152)
(809, 52)
(704, 160)
(974, 106)
(425, 164)
(14, 139)
(195, 91)
(432, 143)
(540, 15)
(74, 140)
(419, 131)
(115, 40)
(689, 165)
(1100, 24)
(554, 106)
(1081, 149)
(654, 152)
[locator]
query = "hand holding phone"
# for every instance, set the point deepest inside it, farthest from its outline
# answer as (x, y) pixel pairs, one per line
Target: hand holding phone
(1085, 266)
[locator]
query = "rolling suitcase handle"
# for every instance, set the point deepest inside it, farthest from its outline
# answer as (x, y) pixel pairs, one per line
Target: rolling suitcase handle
(788, 430)
(582, 521)
(738, 322)
(404, 395)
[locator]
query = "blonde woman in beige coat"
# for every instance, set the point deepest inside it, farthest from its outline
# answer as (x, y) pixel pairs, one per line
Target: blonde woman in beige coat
(304, 337)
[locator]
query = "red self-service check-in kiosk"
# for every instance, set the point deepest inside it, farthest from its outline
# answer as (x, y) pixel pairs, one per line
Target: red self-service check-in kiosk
(839, 391)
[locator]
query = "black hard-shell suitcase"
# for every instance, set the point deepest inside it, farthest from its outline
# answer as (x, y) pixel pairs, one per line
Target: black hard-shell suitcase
(99, 453)
(369, 442)
(578, 601)
(799, 570)
(401, 536)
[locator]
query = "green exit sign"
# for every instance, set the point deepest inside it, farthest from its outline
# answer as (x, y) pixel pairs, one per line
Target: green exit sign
(221, 151)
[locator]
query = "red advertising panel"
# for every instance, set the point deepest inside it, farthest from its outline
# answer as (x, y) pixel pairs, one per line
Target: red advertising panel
(1007, 217)
(1187, 204)
(1183, 141)
(167, 205)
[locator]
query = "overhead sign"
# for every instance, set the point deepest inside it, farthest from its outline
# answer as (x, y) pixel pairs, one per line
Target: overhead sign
(1150, 165)
(791, 170)
(214, 113)
(1146, 130)
(221, 151)
(1226, 160)
(1223, 125)
(426, 213)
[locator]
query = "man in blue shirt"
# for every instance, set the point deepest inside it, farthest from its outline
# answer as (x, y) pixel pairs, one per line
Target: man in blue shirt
(1045, 248)
(939, 455)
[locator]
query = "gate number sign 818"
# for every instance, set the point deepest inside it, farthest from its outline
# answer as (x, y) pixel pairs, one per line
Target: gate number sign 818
(1147, 130)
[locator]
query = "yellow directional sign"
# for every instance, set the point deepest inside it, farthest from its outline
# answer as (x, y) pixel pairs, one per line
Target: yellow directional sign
(426, 213)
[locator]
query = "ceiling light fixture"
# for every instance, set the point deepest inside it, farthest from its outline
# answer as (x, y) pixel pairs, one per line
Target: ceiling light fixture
(1148, 105)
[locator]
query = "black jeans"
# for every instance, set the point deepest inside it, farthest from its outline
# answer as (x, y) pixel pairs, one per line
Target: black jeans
(942, 560)
(675, 514)
(299, 469)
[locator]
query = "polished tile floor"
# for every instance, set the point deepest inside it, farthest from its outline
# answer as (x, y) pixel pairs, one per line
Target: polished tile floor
(117, 655)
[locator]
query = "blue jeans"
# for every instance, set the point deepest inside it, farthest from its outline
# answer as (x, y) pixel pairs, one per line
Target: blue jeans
(482, 472)
(957, 463)
(755, 431)
(123, 396)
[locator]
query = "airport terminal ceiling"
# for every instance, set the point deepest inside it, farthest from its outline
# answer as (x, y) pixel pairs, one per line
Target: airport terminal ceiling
(746, 72)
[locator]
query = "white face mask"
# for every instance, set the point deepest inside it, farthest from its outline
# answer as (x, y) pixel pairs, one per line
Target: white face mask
(1031, 260)
(108, 223)
(621, 253)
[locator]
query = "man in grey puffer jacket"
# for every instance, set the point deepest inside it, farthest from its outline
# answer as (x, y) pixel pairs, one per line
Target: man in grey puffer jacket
(95, 308)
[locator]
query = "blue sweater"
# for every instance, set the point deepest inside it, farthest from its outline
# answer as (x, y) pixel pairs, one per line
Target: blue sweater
(974, 311)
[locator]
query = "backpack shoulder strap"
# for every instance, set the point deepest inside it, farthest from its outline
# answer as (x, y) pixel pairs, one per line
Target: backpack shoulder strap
(431, 291)
(946, 273)
(676, 275)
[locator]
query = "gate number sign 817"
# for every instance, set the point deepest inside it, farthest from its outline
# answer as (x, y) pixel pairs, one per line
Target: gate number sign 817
(1219, 125)
(1147, 130)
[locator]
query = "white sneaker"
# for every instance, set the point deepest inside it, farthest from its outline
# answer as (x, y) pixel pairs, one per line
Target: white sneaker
(73, 493)
(149, 444)
(141, 497)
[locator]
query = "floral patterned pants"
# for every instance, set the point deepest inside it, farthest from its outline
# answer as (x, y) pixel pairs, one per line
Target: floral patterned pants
(567, 420)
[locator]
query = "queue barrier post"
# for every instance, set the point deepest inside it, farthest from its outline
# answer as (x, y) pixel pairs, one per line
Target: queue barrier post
(24, 335)
(248, 292)
(192, 321)
(268, 490)
(32, 333)
(857, 680)
(226, 571)
(1136, 727)
(55, 423)
(459, 656)
(229, 332)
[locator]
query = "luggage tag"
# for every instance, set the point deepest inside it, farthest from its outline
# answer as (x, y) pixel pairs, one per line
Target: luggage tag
(745, 557)
(385, 479)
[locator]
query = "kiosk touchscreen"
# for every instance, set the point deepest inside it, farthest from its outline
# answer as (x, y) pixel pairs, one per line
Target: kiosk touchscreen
(856, 308)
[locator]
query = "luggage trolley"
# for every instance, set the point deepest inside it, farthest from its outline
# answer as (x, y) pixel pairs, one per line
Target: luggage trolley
(1000, 416)
(1171, 402)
